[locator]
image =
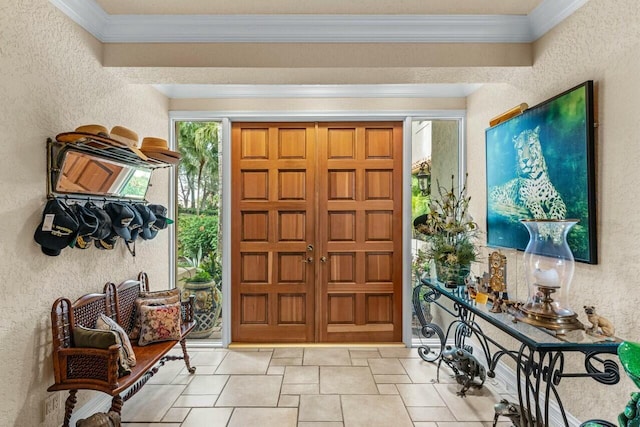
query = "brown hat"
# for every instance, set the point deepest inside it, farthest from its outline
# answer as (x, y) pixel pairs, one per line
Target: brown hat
(119, 137)
(158, 148)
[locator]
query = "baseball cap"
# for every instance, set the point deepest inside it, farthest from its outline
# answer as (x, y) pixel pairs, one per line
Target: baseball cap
(58, 228)
(87, 225)
(148, 220)
(121, 216)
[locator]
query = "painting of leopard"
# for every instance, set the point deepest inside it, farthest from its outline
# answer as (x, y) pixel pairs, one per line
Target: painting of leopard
(531, 190)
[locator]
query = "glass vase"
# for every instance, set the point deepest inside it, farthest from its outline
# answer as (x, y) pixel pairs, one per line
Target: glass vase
(548, 267)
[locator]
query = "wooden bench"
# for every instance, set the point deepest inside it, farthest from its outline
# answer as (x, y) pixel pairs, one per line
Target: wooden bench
(97, 369)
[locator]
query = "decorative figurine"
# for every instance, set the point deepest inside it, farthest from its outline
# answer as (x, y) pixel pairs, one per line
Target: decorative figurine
(100, 419)
(467, 370)
(497, 306)
(600, 326)
(513, 411)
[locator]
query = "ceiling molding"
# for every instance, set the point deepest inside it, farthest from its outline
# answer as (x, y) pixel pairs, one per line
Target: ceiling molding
(211, 91)
(317, 28)
(550, 13)
(86, 13)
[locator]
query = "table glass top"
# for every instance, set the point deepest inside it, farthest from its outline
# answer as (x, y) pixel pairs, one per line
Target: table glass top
(533, 336)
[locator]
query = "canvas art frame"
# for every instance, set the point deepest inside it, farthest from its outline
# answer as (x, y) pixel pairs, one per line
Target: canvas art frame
(541, 164)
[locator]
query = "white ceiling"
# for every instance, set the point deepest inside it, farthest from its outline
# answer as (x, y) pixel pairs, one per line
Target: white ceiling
(316, 21)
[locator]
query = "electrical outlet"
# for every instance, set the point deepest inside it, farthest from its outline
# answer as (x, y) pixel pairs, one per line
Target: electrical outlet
(51, 405)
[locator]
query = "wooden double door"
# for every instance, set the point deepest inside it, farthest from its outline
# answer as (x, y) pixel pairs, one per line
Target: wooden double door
(316, 232)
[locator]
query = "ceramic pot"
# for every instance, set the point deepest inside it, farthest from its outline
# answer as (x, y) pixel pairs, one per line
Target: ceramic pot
(452, 275)
(207, 306)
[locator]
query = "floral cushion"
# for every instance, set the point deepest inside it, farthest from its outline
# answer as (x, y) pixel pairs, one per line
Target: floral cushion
(160, 294)
(135, 331)
(98, 338)
(159, 323)
(126, 351)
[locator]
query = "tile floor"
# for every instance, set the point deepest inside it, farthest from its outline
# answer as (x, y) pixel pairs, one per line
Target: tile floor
(307, 387)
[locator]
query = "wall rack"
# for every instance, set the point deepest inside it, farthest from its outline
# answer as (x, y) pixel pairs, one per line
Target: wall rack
(56, 152)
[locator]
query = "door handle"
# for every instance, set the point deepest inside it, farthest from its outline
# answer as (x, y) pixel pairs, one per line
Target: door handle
(308, 260)
(310, 248)
(323, 259)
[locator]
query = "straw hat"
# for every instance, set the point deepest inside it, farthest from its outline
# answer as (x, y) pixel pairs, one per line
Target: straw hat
(158, 148)
(119, 137)
(127, 137)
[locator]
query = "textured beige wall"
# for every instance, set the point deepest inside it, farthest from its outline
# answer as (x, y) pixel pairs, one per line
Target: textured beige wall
(599, 42)
(51, 81)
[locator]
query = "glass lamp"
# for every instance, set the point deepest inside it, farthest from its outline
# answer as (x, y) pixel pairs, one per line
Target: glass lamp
(549, 267)
(424, 180)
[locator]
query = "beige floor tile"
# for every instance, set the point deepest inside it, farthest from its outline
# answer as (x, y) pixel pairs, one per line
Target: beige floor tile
(266, 349)
(209, 417)
(424, 424)
(374, 411)
(327, 356)
(364, 353)
(286, 361)
(206, 384)
(359, 362)
(195, 401)
(208, 358)
(460, 424)
(201, 370)
(420, 395)
(476, 406)
(320, 408)
(392, 379)
(320, 424)
(398, 352)
(289, 401)
(346, 380)
(251, 390)
(301, 375)
(264, 417)
(300, 389)
(422, 372)
(500, 424)
(176, 415)
(167, 373)
(430, 413)
(183, 379)
(239, 362)
(275, 370)
(288, 352)
(387, 389)
(386, 366)
(163, 396)
(150, 425)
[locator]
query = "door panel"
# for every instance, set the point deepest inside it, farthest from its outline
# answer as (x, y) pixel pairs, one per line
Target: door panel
(317, 244)
(273, 200)
(359, 227)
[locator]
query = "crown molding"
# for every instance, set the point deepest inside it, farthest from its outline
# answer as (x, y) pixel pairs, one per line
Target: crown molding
(212, 91)
(317, 28)
(86, 13)
(550, 13)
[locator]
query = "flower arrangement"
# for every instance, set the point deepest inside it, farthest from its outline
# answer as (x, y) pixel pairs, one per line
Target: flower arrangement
(450, 232)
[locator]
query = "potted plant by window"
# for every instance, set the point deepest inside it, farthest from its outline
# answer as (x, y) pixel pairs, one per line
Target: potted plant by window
(450, 233)
(207, 302)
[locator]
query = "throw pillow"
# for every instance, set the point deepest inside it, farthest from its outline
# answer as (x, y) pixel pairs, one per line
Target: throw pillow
(160, 294)
(135, 331)
(98, 338)
(159, 323)
(107, 323)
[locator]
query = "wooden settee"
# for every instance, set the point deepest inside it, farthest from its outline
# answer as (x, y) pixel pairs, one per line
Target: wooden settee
(97, 369)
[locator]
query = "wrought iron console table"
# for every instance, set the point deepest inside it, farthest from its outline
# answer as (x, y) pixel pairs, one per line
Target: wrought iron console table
(539, 360)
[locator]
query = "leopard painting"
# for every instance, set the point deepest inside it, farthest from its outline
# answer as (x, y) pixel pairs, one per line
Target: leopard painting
(531, 189)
